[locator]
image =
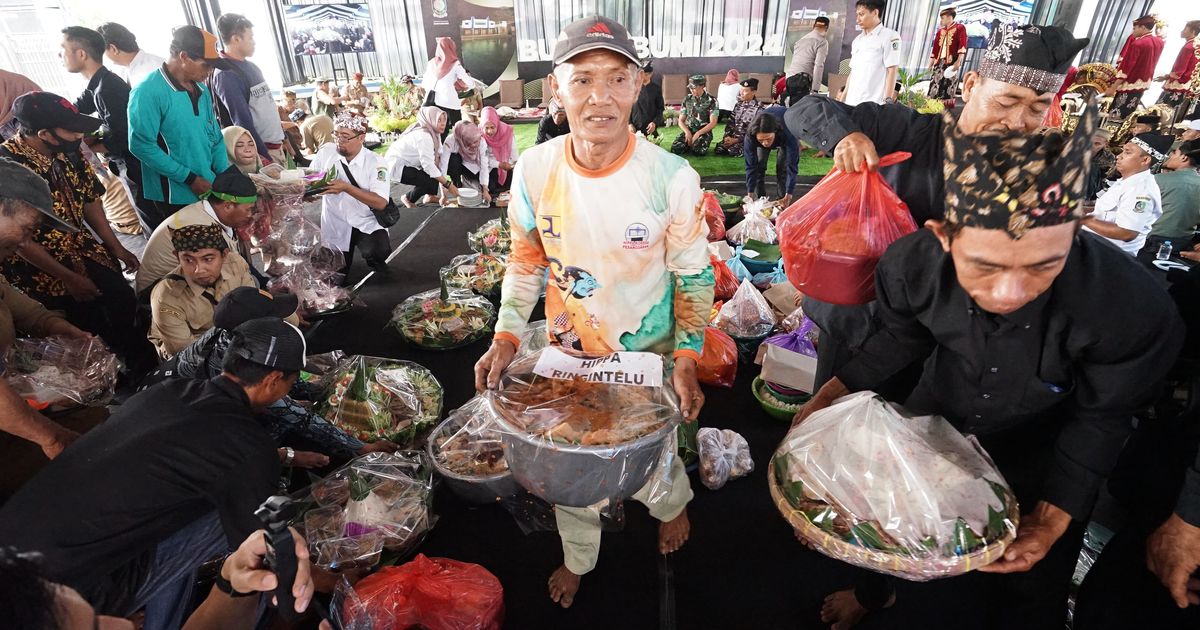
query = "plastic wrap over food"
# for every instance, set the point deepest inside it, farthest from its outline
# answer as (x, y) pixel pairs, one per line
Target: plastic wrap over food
(377, 501)
(724, 455)
(761, 206)
(833, 236)
(534, 338)
(747, 315)
(479, 273)
(754, 226)
(348, 611)
(719, 359)
(372, 398)
(492, 237)
(277, 197)
(795, 319)
(911, 496)
(61, 372)
(442, 319)
(434, 594)
(579, 428)
(467, 451)
(315, 292)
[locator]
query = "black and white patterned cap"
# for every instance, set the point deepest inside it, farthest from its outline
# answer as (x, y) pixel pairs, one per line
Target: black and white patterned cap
(1036, 57)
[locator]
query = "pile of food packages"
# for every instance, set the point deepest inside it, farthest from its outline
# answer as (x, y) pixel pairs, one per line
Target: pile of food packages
(864, 482)
(468, 452)
(480, 273)
(377, 501)
(61, 372)
(443, 319)
(492, 237)
(372, 398)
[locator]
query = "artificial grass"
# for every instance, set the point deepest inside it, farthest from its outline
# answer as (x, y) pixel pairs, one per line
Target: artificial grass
(707, 165)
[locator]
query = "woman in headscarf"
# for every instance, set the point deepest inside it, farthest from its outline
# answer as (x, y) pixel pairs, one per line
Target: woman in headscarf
(444, 77)
(727, 94)
(464, 153)
(416, 157)
(243, 153)
(553, 124)
(501, 150)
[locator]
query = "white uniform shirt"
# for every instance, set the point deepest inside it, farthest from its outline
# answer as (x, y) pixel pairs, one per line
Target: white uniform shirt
(141, 66)
(1133, 203)
(871, 55)
(415, 150)
(727, 96)
(482, 167)
(341, 212)
(493, 161)
(445, 95)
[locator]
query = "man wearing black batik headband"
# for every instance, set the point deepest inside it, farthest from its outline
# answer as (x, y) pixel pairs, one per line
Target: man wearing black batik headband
(1014, 85)
(1010, 309)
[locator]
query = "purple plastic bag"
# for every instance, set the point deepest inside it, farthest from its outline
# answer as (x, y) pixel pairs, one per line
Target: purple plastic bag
(799, 340)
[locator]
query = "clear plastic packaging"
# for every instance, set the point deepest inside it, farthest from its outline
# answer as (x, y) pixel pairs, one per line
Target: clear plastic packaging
(724, 455)
(719, 360)
(317, 293)
(480, 273)
(833, 236)
(493, 237)
(61, 372)
(534, 338)
(434, 594)
(372, 398)
(581, 427)
(748, 315)
(467, 451)
(754, 226)
(761, 206)
(866, 483)
(377, 501)
(444, 318)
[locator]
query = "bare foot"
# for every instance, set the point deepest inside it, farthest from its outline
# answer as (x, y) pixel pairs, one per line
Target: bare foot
(842, 611)
(673, 533)
(563, 586)
(407, 204)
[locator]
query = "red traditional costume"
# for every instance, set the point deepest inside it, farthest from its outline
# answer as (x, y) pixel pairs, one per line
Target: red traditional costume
(1175, 90)
(949, 46)
(1135, 69)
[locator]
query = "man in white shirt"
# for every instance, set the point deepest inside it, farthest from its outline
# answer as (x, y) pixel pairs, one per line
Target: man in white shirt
(1125, 212)
(129, 62)
(874, 57)
(809, 52)
(360, 189)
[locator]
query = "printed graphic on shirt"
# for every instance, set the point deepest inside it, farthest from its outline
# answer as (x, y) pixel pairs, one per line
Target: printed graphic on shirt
(577, 283)
(1142, 204)
(637, 236)
(381, 174)
(548, 229)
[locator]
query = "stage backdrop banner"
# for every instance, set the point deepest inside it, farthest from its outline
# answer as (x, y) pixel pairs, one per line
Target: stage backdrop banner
(485, 32)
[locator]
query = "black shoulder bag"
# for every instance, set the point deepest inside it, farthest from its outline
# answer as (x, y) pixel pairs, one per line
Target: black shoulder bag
(390, 213)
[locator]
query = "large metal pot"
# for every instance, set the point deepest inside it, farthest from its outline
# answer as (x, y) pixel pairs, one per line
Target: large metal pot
(482, 489)
(579, 476)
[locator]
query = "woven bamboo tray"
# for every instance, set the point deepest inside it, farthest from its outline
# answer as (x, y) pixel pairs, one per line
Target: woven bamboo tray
(914, 569)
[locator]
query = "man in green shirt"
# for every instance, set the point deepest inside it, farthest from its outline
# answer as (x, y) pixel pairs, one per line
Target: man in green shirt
(697, 119)
(1179, 183)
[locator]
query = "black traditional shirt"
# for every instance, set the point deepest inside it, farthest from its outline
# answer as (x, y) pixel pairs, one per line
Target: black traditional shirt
(73, 185)
(1086, 355)
(107, 96)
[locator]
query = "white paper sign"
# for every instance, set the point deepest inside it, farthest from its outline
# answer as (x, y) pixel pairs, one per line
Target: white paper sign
(790, 369)
(619, 368)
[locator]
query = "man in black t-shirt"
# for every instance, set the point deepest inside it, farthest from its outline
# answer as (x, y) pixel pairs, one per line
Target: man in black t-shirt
(131, 509)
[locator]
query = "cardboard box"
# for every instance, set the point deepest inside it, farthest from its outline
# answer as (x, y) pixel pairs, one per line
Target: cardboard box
(790, 369)
(782, 297)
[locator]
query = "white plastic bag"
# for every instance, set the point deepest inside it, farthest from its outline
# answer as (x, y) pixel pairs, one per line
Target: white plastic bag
(724, 455)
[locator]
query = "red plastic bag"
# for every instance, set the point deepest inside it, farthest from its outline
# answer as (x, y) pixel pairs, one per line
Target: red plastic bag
(718, 362)
(714, 215)
(832, 237)
(435, 594)
(726, 282)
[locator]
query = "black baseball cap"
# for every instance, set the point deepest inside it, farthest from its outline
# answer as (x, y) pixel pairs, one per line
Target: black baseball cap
(246, 303)
(234, 185)
(594, 33)
(199, 44)
(22, 184)
(270, 342)
(44, 110)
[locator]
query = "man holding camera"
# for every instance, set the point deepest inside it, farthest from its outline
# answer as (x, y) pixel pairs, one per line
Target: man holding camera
(171, 480)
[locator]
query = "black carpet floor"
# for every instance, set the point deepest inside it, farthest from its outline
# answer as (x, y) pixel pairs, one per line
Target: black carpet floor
(742, 567)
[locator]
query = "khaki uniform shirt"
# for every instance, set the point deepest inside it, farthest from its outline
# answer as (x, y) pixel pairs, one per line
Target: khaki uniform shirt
(159, 257)
(181, 310)
(19, 311)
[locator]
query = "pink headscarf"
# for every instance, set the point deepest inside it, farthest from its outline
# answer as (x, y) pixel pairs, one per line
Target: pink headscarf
(466, 135)
(445, 57)
(427, 118)
(731, 77)
(501, 141)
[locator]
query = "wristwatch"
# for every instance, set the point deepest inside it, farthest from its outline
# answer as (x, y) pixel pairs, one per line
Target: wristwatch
(289, 454)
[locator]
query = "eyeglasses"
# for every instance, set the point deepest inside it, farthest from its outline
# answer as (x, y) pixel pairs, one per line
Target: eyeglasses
(346, 138)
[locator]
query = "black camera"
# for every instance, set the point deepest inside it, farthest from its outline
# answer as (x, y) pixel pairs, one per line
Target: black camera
(275, 514)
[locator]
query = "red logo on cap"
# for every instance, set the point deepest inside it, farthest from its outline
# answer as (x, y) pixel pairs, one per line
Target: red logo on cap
(68, 104)
(599, 29)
